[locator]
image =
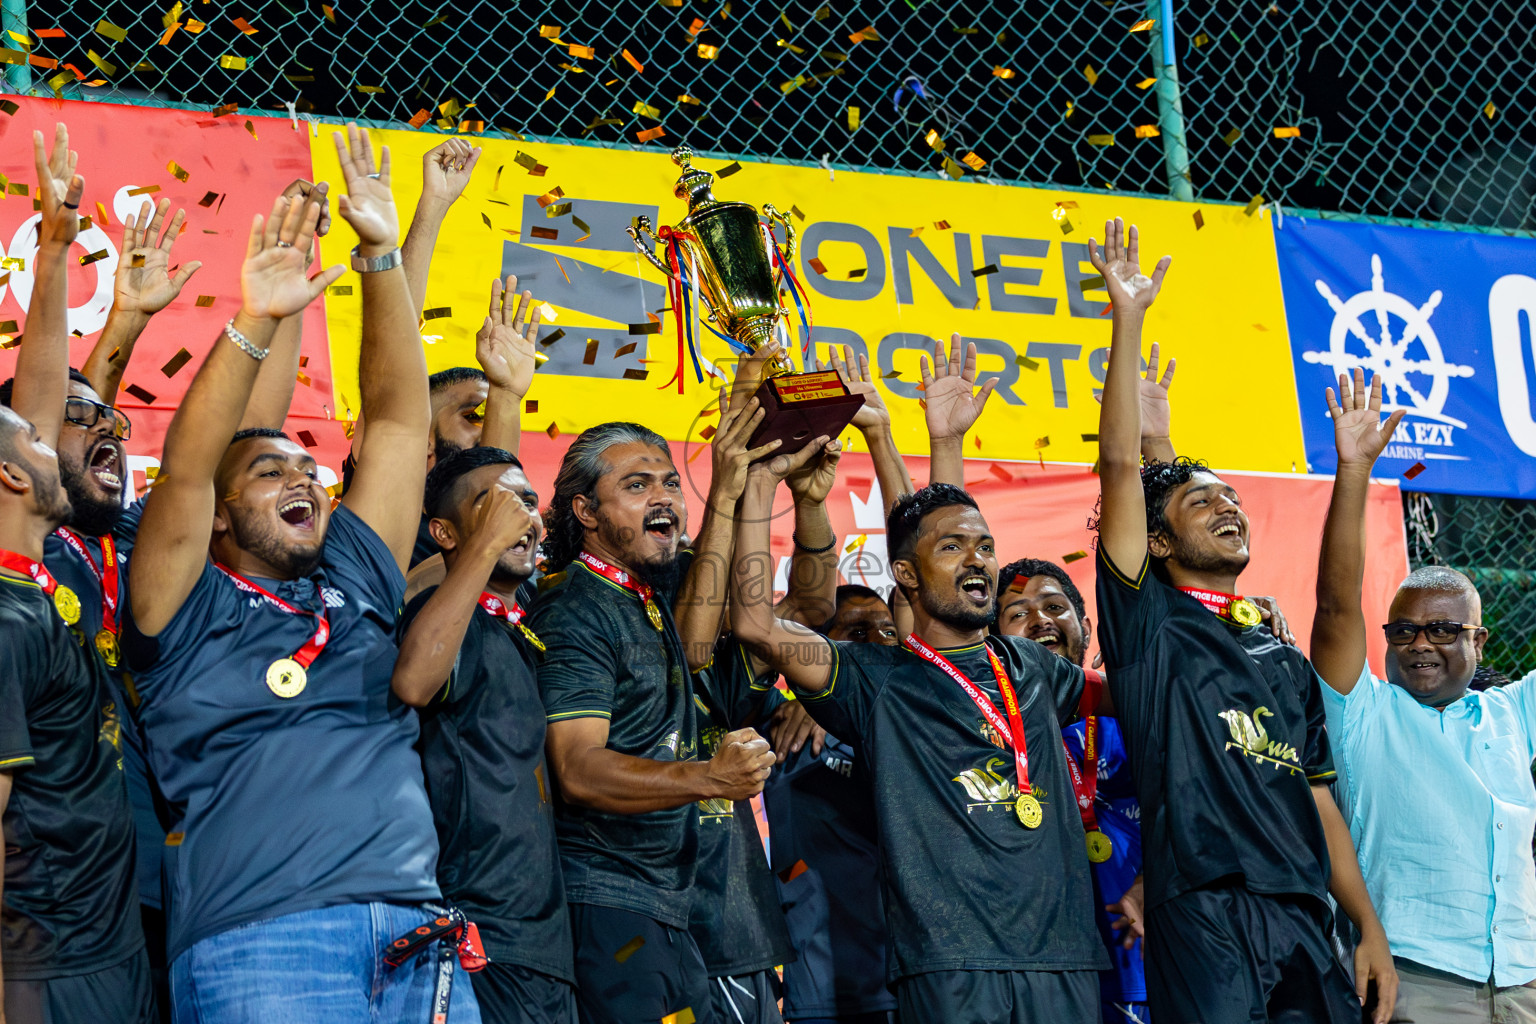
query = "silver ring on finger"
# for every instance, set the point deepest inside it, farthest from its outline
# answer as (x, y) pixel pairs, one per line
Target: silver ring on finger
(284, 245)
(376, 175)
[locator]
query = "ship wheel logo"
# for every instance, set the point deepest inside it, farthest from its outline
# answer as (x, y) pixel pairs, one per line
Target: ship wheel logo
(1404, 351)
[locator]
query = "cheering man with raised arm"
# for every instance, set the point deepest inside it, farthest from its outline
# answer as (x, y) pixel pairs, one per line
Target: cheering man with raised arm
(988, 902)
(262, 641)
(1433, 776)
(1224, 725)
(623, 738)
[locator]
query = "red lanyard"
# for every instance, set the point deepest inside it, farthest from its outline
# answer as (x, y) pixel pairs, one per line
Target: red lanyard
(20, 563)
(616, 575)
(1085, 779)
(106, 575)
(513, 613)
(1230, 607)
(307, 654)
(1012, 727)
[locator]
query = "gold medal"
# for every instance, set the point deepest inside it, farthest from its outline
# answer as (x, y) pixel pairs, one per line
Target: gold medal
(286, 678)
(67, 603)
(1028, 810)
(1244, 612)
(654, 613)
(531, 636)
(106, 644)
(1099, 847)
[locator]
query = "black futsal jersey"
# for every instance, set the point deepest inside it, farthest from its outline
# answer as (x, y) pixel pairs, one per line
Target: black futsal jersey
(482, 751)
(71, 900)
(1224, 726)
(967, 886)
(736, 919)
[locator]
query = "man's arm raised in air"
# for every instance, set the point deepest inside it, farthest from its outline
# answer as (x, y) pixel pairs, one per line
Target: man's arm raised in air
(874, 422)
(1123, 513)
(445, 171)
(1338, 630)
(800, 654)
(42, 362)
(504, 348)
(387, 484)
(178, 517)
(951, 406)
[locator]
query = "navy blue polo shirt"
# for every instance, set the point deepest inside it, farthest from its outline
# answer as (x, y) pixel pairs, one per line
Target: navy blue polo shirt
(285, 804)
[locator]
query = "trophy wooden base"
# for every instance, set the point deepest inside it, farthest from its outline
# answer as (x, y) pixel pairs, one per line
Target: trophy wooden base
(801, 407)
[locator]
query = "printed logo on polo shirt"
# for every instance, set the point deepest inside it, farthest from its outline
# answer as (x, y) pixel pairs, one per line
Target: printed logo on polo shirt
(1250, 740)
(991, 790)
(333, 597)
(111, 729)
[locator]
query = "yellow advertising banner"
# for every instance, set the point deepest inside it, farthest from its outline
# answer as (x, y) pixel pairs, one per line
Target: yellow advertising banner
(900, 262)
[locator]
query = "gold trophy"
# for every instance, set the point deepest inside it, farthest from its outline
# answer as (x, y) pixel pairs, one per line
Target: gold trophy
(724, 242)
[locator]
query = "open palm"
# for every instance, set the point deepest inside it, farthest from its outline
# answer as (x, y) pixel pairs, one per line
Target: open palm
(1359, 433)
(272, 278)
(143, 282)
(368, 206)
(59, 188)
(953, 403)
(505, 347)
(1120, 262)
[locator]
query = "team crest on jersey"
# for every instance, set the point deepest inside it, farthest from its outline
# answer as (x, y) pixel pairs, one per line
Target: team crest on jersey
(1250, 739)
(111, 728)
(989, 789)
(333, 597)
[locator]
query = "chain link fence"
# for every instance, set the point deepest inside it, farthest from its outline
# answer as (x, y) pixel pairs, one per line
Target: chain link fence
(1423, 110)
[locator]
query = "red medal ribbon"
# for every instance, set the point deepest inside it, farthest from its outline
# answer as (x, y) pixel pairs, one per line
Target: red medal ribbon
(614, 574)
(1012, 726)
(1215, 601)
(307, 654)
(20, 563)
(107, 575)
(512, 613)
(1085, 779)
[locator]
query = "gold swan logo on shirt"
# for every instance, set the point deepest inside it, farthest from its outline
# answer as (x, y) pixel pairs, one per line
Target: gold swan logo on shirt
(1250, 738)
(986, 787)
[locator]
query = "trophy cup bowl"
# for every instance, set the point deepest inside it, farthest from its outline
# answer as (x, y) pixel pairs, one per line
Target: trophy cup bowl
(724, 242)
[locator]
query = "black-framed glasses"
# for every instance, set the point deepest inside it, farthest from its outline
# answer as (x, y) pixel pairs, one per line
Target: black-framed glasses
(86, 413)
(1439, 632)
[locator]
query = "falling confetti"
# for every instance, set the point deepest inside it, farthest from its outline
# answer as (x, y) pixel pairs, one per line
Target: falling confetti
(728, 170)
(1147, 131)
(1074, 556)
(1287, 133)
(1199, 220)
(1253, 205)
(1414, 470)
(1091, 75)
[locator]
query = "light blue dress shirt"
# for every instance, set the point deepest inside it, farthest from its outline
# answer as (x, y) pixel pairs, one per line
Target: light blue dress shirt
(1442, 807)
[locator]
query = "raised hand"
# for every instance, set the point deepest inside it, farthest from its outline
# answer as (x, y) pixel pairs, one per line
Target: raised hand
(500, 522)
(873, 414)
(1156, 412)
(143, 283)
(783, 465)
(750, 370)
(505, 347)
(729, 455)
(272, 279)
(1358, 431)
(59, 189)
(812, 482)
(1120, 263)
(368, 206)
(953, 406)
(446, 169)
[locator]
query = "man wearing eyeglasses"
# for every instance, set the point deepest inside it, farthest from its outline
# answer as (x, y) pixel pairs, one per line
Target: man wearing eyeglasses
(1434, 779)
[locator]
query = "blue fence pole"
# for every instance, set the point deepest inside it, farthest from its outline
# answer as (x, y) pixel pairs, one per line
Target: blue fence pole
(13, 17)
(1170, 108)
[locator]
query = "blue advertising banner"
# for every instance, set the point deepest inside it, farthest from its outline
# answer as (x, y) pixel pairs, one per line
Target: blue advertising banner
(1446, 319)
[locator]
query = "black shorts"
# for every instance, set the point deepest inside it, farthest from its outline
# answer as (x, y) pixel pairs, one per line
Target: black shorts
(748, 998)
(1230, 956)
(118, 995)
(999, 997)
(661, 972)
(513, 994)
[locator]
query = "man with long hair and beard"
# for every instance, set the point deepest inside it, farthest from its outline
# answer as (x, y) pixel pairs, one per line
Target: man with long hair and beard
(623, 734)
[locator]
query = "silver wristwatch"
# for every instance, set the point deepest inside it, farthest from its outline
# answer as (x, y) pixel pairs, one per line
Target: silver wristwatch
(373, 264)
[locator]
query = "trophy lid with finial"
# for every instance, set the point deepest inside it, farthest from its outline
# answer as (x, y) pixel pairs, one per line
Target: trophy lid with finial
(694, 184)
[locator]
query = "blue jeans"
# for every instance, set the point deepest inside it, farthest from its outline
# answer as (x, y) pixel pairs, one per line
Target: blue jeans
(316, 965)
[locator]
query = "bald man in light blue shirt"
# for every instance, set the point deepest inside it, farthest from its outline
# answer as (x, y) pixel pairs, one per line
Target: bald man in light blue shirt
(1434, 780)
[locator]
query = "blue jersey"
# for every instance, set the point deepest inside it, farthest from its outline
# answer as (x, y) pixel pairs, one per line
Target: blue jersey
(1119, 818)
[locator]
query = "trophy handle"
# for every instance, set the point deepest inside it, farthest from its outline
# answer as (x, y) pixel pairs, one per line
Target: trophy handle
(791, 239)
(642, 226)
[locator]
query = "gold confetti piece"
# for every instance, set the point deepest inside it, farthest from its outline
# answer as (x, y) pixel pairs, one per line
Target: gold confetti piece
(1287, 133)
(339, 289)
(194, 26)
(1201, 39)
(549, 31)
(646, 110)
(556, 336)
(635, 374)
(1027, 363)
(419, 118)
(853, 119)
(1232, 136)
(99, 254)
(990, 268)
(1490, 110)
(554, 431)
(1414, 470)
(306, 439)
(650, 133)
(1091, 75)
(548, 234)
(548, 198)
(1199, 220)
(965, 31)
(330, 13)
(626, 349)
(137, 392)
(934, 142)
(22, 40)
(685, 98)
(16, 188)
(1147, 131)
(1074, 556)
(728, 170)
(436, 312)
(111, 31)
(205, 301)
(823, 13)
(250, 126)
(244, 26)
(581, 51)
(1253, 205)
(953, 169)
(1146, 83)
(557, 209)
(815, 264)
(653, 327)
(794, 83)
(591, 354)
(548, 312)
(707, 433)
(791, 47)
(708, 52)
(1261, 327)
(487, 221)
(942, 225)
(639, 68)
(107, 67)
(177, 171)
(228, 108)
(8, 326)
(551, 94)
(998, 71)
(586, 230)
(1101, 140)
(1144, 25)
(866, 34)
(683, 1016)
(232, 63)
(1043, 442)
(1091, 284)
(13, 263)
(370, 88)
(973, 161)
(49, 33)
(526, 161)
(1090, 437)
